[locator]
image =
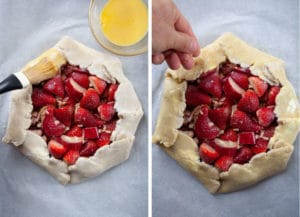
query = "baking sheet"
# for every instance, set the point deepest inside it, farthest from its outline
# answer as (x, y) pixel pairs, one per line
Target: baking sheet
(27, 29)
(272, 26)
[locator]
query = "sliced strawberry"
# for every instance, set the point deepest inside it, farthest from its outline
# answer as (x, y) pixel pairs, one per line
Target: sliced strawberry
(75, 131)
(110, 126)
(194, 97)
(104, 139)
(69, 69)
(211, 84)
(55, 86)
(243, 156)
(98, 84)
(243, 122)
(265, 116)
(224, 163)
(50, 125)
(72, 142)
(112, 91)
(229, 135)
(71, 157)
(204, 127)
(86, 118)
(225, 147)
(56, 149)
(269, 132)
(90, 133)
(90, 99)
(249, 102)
(65, 114)
(73, 89)
(232, 90)
(260, 146)
(80, 70)
(207, 153)
(106, 111)
(241, 79)
(272, 94)
(246, 138)
(89, 149)
(242, 70)
(81, 78)
(40, 98)
(258, 85)
(220, 116)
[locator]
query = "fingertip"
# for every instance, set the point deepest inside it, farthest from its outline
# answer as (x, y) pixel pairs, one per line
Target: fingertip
(173, 61)
(186, 60)
(158, 58)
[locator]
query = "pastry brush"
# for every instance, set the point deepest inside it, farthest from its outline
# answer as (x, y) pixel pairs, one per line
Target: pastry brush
(42, 68)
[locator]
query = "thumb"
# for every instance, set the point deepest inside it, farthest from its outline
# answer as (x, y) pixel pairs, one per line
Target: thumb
(184, 43)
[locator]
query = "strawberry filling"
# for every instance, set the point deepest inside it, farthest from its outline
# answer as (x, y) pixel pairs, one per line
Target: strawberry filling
(74, 113)
(230, 115)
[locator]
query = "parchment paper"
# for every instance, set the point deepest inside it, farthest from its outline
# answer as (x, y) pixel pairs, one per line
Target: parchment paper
(27, 29)
(272, 26)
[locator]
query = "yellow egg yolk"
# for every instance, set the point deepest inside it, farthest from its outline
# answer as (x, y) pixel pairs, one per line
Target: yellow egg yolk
(124, 22)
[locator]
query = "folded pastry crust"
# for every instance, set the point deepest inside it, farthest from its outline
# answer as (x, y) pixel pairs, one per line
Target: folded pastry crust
(184, 150)
(127, 106)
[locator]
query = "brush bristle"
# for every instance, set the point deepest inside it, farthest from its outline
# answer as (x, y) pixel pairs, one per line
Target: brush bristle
(44, 67)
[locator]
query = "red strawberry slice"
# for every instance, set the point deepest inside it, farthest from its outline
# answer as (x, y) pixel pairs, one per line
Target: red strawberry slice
(72, 142)
(71, 157)
(265, 116)
(90, 133)
(242, 70)
(220, 116)
(204, 127)
(89, 149)
(56, 149)
(112, 91)
(80, 70)
(65, 114)
(104, 139)
(98, 84)
(232, 90)
(260, 146)
(225, 147)
(249, 102)
(40, 98)
(229, 135)
(211, 84)
(258, 85)
(243, 156)
(106, 111)
(90, 99)
(110, 126)
(269, 132)
(207, 153)
(246, 138)
(273, 92)
(50, 125)
(224, 163)
(243, 122)
(86, 118)
(73, 89)
(74, 131)
(194, 97)
(55, 86)
(241, 79)
(81, 78)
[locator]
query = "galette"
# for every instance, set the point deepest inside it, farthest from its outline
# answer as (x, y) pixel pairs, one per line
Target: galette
(79, 123)
(231, 120)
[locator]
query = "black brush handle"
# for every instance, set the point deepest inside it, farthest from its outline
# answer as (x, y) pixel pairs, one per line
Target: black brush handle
(10, 83)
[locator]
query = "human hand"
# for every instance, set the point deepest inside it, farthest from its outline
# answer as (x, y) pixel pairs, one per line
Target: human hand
(173, 39)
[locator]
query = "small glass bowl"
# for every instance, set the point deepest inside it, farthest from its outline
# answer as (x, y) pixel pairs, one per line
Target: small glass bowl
(94, 13)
